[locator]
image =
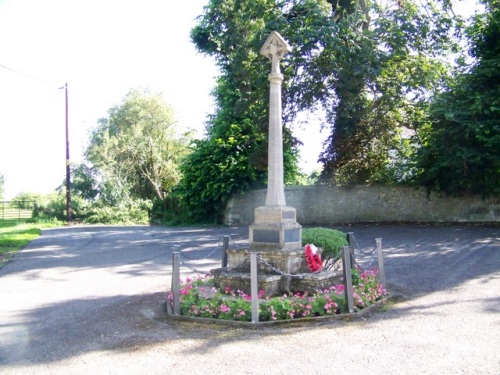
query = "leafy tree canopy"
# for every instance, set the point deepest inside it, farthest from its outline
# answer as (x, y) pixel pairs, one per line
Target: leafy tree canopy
(461, 143)
(233, 157)
(370, 66)
(137, 150)
(378, 66)
(26, 200)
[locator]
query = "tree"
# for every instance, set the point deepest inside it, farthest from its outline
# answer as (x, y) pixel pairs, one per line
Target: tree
(233, 157)
(461, 142)
(86, 182)
(370, 67)
(137, 148)
(27, 201)
(387, 60)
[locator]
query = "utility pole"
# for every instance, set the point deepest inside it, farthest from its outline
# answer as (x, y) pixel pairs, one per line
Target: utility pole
(68, 171)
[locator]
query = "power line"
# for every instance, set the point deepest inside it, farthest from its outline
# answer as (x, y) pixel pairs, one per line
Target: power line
(26, 75)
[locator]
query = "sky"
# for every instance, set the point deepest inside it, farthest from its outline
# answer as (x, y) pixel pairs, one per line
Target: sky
(101, 49)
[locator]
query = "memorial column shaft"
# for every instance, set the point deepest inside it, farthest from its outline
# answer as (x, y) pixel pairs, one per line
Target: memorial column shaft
(276, 190)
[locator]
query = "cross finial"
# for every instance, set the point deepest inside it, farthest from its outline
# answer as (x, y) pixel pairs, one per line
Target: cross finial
(274, 49)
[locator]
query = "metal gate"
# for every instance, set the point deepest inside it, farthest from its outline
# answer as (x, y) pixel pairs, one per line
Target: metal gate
(10, 210)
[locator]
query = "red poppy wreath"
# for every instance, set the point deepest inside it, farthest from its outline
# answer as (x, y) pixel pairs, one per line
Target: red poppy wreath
(314, 262)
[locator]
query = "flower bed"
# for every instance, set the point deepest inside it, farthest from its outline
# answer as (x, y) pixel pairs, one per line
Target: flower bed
(199, 298)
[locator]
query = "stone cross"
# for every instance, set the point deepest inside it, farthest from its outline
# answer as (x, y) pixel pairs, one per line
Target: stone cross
(274, 49)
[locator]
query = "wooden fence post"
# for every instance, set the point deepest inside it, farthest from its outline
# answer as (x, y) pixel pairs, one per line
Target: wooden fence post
(346, 262)
(176, 278)
(380, 261)
(225, 245)
(254, 287)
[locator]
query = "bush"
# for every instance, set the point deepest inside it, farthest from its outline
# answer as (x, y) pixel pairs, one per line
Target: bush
(330, 240)
(53, 207)
(170, 211)
(131, 212)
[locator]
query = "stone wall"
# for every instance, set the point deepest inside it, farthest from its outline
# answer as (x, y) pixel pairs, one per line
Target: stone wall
(325, 205)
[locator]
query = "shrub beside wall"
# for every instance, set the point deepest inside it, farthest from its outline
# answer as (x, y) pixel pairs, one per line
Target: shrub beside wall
(325, 205)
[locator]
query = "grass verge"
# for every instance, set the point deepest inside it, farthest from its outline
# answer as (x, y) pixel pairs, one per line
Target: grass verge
(15, 234)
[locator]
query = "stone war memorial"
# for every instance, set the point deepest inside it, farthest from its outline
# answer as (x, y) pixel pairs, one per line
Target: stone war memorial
(275, 234)
(282, 278)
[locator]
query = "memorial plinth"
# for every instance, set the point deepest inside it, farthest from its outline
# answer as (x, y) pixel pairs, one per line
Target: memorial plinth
(275, 228)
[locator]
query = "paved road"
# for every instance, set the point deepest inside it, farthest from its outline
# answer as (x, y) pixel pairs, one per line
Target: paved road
(87, 299)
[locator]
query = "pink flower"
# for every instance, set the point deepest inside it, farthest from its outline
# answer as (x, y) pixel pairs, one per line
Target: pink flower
(273, 314)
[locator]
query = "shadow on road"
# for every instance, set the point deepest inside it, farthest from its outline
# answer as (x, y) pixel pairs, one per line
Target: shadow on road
(418, 260)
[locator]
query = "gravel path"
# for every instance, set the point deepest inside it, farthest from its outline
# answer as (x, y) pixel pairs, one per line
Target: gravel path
(86, 300)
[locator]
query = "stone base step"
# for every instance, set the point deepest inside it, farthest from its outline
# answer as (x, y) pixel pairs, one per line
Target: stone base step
(275, 285)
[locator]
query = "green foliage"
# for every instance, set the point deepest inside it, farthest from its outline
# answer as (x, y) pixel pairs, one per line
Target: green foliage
(387, 61)
(53, 206)
(133, 159)
(367, 287)
(26, 201)
(129, 212)
(217, 168)
(18, 237)
(170, 211)
(330, 240)
(461, 141)
(137, 150)
(303, 305)
(233, 157)
(370, 67)
(85, 182)
(200, 298)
